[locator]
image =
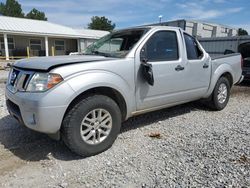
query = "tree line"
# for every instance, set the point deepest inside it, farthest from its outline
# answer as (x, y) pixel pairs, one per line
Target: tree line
(14, 9)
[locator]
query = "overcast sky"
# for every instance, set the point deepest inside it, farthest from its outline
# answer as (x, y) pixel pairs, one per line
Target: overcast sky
(126, 13)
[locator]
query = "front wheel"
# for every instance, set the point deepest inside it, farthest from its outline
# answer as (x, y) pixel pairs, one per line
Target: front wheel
(92, 125)
(221, 94)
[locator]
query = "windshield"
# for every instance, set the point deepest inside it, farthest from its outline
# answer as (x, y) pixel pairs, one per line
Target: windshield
(116, 44)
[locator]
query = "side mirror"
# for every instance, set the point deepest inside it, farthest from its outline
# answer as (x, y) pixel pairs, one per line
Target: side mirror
(147, 72)
(143, 55)
(146, 68)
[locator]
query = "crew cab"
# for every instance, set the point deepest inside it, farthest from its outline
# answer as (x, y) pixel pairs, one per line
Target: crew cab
(83, 99)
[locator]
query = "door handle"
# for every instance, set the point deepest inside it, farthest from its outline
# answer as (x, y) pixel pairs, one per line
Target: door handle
(205, 66)
(179, 68)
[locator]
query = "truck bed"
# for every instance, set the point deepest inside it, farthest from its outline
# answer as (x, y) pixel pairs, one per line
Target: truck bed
(214, 57)
(230, 62)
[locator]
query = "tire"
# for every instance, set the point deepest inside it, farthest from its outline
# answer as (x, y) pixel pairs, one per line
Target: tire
(89, 114)
(220, 95)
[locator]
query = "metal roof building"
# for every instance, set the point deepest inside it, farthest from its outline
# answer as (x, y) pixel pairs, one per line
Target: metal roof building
(219, 45)
(201, 29)
(27, 37)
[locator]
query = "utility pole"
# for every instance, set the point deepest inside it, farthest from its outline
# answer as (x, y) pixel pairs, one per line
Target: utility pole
(160, 17)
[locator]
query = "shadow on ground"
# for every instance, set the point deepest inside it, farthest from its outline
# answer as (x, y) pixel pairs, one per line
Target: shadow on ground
(29, 145)
(32, 146)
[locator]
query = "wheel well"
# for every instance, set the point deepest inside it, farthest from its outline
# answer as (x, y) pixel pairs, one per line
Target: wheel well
(229, 77)
(107, 91)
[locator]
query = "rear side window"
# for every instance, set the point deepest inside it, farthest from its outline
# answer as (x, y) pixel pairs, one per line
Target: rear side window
(162, 46)
(193, 51)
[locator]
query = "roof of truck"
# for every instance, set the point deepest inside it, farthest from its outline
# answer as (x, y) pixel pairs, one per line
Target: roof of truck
(149, 27)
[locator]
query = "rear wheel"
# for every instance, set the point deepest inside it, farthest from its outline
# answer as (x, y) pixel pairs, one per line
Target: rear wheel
(220, 95)
(92, 125)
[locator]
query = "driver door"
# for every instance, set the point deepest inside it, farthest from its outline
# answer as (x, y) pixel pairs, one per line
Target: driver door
(168, 68)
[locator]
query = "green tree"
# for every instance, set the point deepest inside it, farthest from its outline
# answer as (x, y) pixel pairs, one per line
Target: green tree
(36, 15)
(101, 23)
(11, 8)
(242, 32)
(2, 6)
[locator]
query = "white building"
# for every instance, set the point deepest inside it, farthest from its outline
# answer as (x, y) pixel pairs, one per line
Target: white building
(202, 29)
(21, 38)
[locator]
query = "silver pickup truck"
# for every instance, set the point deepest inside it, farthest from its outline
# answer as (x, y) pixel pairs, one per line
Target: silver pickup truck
(83, 99)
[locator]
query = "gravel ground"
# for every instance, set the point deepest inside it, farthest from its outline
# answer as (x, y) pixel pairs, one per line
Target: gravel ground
(4, 71)
(3, 76)
(192, 147)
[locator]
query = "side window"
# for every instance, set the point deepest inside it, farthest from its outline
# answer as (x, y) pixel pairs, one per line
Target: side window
(193, 51)
(59, 45)
(35, 44)
(162, 46)
(11, 44)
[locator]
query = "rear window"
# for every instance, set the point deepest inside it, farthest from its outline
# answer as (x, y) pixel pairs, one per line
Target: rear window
(192, 48)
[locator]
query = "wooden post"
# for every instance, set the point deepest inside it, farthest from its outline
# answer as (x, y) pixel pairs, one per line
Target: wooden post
(53, 50)
(28, 51)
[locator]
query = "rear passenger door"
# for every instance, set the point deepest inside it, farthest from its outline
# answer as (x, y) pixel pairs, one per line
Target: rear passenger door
(162, 51)
(198, 67)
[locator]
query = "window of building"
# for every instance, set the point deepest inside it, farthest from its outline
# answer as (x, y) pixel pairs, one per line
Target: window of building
(35, 44)
(162, 46)
(224, 30)
(11, 44)
(193, 50)
(59, 45)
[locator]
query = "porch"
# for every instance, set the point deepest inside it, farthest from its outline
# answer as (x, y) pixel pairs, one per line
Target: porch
(24, 46)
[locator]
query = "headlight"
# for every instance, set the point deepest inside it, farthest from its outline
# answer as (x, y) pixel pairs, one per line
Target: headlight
(43, 81)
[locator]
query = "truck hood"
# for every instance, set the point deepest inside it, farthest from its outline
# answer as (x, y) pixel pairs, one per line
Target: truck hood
(48, 63)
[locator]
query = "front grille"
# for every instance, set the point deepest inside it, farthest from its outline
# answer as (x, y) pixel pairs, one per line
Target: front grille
(18, 80)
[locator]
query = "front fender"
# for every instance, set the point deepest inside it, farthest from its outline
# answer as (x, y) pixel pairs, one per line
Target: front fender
(222, 69)
(92, 79)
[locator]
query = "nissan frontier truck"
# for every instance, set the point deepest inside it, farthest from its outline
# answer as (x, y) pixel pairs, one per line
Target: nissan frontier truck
(83, 99)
